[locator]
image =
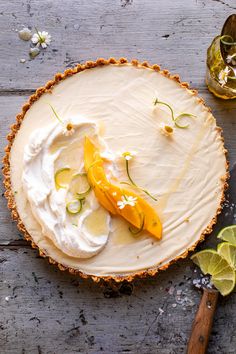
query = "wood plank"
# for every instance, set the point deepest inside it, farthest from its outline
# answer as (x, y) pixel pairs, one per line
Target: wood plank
(175, 34)
(10, 106)
(46, 311)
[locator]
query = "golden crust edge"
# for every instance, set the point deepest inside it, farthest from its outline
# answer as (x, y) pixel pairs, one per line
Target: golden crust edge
(7, 181)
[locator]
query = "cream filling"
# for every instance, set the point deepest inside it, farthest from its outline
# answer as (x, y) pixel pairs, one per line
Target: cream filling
(184, 170)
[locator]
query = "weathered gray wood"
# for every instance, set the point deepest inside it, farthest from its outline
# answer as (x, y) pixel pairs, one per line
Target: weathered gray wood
(42, 309)
(51, 312)
(174, 34)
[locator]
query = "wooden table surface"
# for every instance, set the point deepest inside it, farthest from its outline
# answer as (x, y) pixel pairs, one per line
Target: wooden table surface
(42, 309)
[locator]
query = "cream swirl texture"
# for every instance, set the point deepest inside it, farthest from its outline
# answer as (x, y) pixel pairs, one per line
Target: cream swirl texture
(47, 151)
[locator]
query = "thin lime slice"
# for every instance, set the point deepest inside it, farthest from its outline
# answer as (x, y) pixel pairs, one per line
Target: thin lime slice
(228, 234)
(62, 177)
(223, 275)
(228, 252)
(74, 207)
(79, 185)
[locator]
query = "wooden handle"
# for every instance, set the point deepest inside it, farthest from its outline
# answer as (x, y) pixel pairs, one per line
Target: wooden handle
(202, 324)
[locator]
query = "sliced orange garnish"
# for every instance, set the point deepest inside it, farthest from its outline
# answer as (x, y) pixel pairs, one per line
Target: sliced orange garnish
(109, 195)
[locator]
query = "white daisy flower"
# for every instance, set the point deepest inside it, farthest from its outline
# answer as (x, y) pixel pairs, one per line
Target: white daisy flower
(41, 38)
(223, 76)
(165, 129)
(126, 200)
(128, 155)
(231, 59)
(68, 128)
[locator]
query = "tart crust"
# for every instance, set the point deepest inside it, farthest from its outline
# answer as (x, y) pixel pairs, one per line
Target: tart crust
(7, 180)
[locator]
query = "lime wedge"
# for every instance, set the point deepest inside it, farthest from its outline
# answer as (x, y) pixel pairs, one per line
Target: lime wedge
(74, 207)
(62, 177)
(228, 234)
(79, 185)
(228, 252)
(222, 274)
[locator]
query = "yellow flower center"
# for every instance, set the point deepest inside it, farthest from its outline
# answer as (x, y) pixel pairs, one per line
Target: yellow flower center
(127, 153)
(69, 126)
(168, 129)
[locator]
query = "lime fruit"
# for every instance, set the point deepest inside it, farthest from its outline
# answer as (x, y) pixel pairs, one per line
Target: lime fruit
(228, 252)
(228, 234)
(222, 273)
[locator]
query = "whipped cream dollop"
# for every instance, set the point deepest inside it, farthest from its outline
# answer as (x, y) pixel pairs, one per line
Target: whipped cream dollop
(48, 150)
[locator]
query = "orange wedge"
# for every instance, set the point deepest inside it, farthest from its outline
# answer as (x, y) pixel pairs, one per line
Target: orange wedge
(109, 195)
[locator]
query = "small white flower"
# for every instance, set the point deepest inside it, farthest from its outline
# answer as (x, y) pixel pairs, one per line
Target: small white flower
(68, 128)
(165, 129)
(43, 38)
(223, 76)
(231, 59)
(126, 200)
(128, 155)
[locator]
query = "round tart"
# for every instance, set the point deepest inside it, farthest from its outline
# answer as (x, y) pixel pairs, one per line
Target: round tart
(105, 128)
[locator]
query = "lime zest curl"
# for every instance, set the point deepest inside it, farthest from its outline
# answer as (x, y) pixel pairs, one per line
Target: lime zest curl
(128, 156)
(140, 229)
(75, 206)
(222, 39)
(55, 113)
(83, 194)
(175, 119)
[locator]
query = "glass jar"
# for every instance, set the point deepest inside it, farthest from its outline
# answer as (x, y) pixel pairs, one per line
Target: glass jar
(215, 70)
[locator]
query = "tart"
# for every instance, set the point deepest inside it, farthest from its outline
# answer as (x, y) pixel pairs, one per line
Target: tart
(115, 169)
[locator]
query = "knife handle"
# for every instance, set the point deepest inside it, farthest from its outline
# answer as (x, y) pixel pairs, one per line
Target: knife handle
(201, 328)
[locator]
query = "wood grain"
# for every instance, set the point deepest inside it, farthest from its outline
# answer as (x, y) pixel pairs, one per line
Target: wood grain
(174, 34)
(61, 314)
(202, 325)
(44, 311)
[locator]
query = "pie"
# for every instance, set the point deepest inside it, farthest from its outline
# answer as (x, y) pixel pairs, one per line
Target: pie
(115, 169)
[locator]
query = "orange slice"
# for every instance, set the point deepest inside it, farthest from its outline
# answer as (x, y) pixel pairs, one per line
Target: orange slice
(110, 195)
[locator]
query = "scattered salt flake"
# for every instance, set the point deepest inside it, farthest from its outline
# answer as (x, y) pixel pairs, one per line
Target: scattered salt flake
(202, 282)
(171, 290)
(197, 283)
(161, 311)
(7, 298)
(22, 61)
(179, 292)
(174, 305)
